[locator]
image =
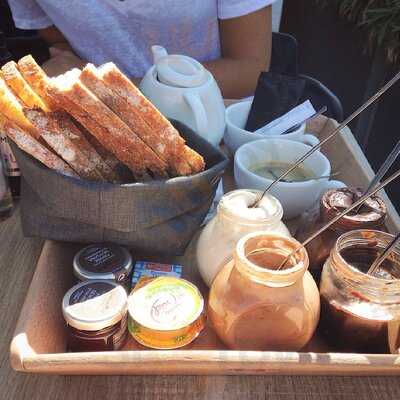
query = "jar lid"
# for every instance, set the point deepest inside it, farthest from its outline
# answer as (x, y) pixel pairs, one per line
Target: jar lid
(105, 261)
(94, 305)
(166, 304)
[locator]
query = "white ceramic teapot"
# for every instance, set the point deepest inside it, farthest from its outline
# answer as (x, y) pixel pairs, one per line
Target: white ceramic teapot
(182, 89)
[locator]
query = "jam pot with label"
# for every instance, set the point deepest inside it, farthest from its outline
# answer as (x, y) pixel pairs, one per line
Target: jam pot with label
(104, 261)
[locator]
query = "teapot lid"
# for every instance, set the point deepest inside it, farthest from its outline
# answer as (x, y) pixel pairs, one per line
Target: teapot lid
(178, 70)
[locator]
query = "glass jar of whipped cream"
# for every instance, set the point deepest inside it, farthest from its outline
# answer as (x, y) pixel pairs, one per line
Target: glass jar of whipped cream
(234, 219)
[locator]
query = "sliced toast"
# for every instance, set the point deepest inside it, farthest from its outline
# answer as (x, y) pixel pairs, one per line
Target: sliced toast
(160, 127)
(30, 145)
(20, 87)
(55, 135)
(170, 151)
(37, 79)
(120, 139)
(11, 107)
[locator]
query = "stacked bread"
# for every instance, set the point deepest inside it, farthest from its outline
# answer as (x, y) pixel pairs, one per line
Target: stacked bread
(87, 122)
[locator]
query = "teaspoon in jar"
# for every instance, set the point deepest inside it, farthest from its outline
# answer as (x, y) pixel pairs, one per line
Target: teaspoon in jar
(385, 254)
(342, 214)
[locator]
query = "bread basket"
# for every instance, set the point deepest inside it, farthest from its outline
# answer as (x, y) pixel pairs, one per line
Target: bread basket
(158, 217)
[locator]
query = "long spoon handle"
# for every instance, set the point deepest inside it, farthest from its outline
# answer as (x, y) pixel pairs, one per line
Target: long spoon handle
(370, 101)
(381, 258)
(345, 212)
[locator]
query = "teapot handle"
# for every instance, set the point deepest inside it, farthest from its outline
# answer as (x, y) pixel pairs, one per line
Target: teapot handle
(199, 112)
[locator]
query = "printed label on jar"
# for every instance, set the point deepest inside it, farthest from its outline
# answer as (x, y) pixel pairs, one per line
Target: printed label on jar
(90, 291)
(104, 258)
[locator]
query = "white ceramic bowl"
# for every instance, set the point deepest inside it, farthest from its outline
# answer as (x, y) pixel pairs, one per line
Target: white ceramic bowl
(235, 134)
(295, 197)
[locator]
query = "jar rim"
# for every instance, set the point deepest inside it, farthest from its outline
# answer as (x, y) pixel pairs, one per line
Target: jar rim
(354, 275)
(272, 218)
(282, 277)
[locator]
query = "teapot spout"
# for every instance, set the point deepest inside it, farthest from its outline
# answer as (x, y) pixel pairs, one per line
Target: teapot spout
(158, 53)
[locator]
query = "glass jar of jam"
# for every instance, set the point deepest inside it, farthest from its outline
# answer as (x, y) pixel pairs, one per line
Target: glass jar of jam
(104, 261)
(96, 316)
(254, 306)
(233, 220)
(361, 312)
(371, 215)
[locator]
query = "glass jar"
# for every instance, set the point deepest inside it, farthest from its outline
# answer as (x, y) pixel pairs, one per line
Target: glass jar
(96, 316)
(361, 312)
(254, 306)
(234, 219)
(104, 261)
(371, 215)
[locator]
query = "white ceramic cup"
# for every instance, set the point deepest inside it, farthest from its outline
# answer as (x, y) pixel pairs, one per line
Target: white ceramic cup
(235, 134)
(295, 197)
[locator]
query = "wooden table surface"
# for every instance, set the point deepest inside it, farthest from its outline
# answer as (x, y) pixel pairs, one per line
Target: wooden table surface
(18, 256)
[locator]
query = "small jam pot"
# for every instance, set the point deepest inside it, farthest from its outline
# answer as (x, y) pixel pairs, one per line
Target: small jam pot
(96, 316)
(104, 261)
(165, 312)
(361, 312)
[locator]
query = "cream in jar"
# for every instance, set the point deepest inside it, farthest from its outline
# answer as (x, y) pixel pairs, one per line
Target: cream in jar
(235, 218)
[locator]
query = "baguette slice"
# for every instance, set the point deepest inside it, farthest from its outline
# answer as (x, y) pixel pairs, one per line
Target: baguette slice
(170, 151)
(55, 135)
(20, 87)
(13, 110)
(31, 146)
(124, 143)
(37, 79)
(160, 127)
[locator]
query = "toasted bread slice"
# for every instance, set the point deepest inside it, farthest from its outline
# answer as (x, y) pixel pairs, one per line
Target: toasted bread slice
(195, 160)
(37, 79)
(124, 143)
(31, 146)
(20, 87)
(160, 127)
(133, 117)
(13, 109)
(55, 135)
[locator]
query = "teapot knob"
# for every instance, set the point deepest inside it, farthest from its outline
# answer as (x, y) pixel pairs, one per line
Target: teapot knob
(158, 53)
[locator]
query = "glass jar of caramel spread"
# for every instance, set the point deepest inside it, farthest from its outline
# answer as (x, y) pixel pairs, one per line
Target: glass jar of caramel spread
(254, 306)
(360, 312)
(371, 215)
(234, 219)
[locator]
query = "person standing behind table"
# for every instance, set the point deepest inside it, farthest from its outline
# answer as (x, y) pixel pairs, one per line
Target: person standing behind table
(232, 38)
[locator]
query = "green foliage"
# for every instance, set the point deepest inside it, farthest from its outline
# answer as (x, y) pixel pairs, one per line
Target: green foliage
(381, 19)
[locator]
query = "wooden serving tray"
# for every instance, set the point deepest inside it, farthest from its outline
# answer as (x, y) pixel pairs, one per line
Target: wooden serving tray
(39, 342)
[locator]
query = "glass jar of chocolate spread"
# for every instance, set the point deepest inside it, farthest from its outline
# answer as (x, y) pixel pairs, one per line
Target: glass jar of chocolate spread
(361, 312)
(254, 306)
(371, 215)
(96, 316)
(233, 220)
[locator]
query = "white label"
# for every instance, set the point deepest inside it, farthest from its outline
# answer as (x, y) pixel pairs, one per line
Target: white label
(290, 119)
(11, 166)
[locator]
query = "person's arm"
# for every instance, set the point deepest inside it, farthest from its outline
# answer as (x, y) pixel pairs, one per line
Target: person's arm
(246, 51)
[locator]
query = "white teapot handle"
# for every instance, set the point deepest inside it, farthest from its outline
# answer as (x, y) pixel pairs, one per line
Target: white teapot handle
(199, 113)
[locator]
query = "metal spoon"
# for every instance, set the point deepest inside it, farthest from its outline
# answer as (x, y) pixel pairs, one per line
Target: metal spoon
(338, 129)
(383, 169)
(345, 212)
(385, 253)
(308, 119)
